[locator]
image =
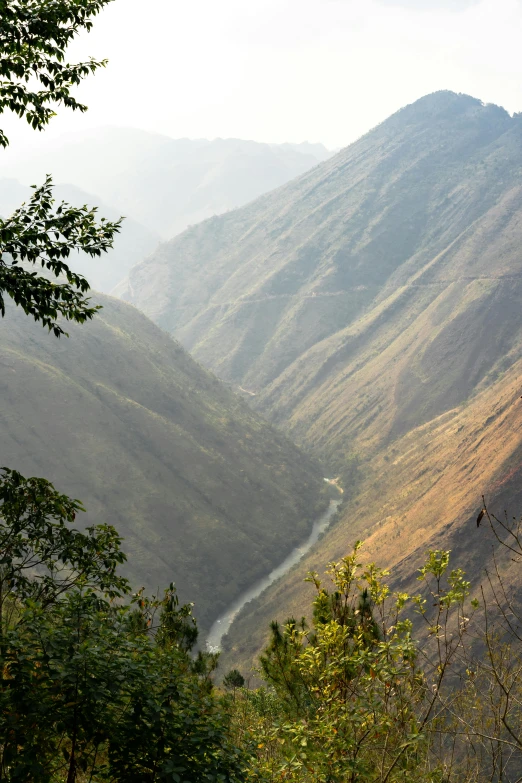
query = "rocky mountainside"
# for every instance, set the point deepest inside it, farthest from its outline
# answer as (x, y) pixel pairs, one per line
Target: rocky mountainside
(205, 492)
(166, 184)
(423, 491)
(368, 296)
(372, 306)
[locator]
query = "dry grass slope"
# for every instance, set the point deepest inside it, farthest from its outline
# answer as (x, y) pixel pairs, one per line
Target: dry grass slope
(421, 492)
(370, 294)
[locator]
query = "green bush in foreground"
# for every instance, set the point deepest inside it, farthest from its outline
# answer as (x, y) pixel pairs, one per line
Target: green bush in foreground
(98, 684)
(91, 688)
(389, 688)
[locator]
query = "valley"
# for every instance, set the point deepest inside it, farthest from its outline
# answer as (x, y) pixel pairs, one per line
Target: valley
(370, 308)
(222, 625)
(260, 401)
(205, 493)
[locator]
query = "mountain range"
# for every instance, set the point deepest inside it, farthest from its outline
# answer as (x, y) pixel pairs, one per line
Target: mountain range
(371, 308)
(163, 183)
(204, 491)
(369, 295)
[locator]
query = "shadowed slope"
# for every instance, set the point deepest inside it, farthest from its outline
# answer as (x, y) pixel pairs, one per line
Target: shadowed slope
(204, 491)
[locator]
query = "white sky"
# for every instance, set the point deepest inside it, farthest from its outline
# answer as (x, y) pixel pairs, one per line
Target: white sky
(289, 70)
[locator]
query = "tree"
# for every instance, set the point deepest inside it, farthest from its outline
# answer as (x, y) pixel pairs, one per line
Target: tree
(361, 697)
(487, 710)
(34, 35)
(233, 679)
(89, 686)
(41, 556)
(112, 693)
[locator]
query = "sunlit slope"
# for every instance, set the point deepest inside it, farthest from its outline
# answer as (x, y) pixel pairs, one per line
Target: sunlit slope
(370, 294)
(205, 492)
(422, 492)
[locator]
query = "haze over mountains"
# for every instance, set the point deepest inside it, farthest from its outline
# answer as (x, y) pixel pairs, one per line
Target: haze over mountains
(373, 307)
(132, 244)
(369, 295)
(164, 183)
(205, 493)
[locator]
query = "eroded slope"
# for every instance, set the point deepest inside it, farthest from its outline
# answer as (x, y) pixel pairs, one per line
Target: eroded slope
(369, 295)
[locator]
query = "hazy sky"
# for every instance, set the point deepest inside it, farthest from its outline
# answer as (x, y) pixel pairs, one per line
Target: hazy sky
(291, 70)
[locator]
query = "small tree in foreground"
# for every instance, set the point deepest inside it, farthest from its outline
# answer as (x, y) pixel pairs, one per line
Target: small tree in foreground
(358, 697)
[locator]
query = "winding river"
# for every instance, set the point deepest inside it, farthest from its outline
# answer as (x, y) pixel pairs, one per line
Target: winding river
(223, 623)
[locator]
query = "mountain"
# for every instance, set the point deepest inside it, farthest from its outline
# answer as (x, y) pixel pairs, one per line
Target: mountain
(166, 184)
(205, 492)
(132, 244)
(372, 306)
(421, 492)
(369, 295)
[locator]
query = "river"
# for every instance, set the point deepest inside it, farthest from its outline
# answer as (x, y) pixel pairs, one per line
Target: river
(223, 623)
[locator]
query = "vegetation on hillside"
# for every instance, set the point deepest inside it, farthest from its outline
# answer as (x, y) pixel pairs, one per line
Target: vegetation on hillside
(202, 489)
(419, 492)
(385, 686)
(93, 689)
(380, 687)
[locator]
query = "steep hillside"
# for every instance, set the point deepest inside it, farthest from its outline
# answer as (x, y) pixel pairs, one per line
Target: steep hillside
(204, 491)
(166, 184)
(132, 244)
(371, 294)
(421, 492)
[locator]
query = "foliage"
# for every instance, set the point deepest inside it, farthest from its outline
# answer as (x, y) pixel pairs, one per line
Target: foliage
(41, 556)
(358, 698)
(33, 37)
(486, 708)
(37, 233)
(91, 686)
(233, 679)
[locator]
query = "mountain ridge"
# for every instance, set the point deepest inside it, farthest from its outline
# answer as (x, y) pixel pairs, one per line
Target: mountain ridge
(293, 292)
(423, 492)
(162, 182)
(205, 493)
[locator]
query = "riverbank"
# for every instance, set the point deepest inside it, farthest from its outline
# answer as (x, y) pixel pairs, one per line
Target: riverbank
(222, 625)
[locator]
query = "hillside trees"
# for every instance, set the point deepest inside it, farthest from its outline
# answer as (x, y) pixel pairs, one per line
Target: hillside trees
(386, 687)
(96, 690)
(360, 694)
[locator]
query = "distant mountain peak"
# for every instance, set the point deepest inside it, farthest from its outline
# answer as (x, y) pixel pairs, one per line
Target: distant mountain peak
(444, 100)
